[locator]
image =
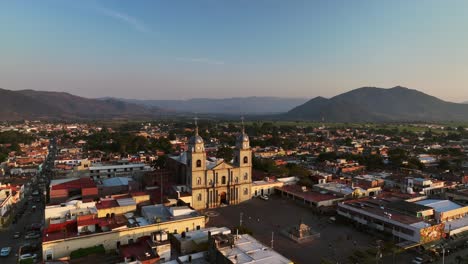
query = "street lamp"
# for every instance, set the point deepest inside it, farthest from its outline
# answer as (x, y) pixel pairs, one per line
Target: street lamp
(443, 255)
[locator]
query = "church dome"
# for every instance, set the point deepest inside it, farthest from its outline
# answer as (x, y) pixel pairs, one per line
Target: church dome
(196, 140)
(243, 137)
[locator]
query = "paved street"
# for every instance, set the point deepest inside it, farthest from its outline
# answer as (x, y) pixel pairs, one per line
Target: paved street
(30, 215)
(25, 221)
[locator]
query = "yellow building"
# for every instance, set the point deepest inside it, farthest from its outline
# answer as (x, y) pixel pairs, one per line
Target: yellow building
(215, 182)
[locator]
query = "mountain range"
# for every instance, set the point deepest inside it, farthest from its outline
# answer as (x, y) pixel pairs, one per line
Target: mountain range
(371, 104)
(366, 104)
(224, 106)
(30, 104)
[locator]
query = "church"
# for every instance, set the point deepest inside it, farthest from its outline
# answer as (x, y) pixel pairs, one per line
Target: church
(215, 182)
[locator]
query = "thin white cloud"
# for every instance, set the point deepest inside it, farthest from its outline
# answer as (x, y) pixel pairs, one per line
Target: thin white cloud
(201, 60)
(132, 21)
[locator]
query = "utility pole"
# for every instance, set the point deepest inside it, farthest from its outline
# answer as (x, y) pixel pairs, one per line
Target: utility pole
(272, 239)
(378, 256)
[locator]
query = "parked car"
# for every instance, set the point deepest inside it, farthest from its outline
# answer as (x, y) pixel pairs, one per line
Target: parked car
(17, 235)
(5, 252)
(35, 226)
(28, 256)
(264, 197)
(32, 235)
(29, 248)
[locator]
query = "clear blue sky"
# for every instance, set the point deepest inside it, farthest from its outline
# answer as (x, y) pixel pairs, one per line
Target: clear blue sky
(212, 48)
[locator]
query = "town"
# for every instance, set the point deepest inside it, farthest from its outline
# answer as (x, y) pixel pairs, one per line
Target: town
(223, 191)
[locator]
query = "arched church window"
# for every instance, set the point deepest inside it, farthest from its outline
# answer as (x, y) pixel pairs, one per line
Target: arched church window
(223, 180)
(199, 197)
(246, 176)
(198, 163)
(246, 160)
(198, 181)
(246, 191)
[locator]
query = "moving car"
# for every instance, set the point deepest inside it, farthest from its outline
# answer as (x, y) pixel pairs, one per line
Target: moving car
(264, 197)
(17, 235)
(5, 252)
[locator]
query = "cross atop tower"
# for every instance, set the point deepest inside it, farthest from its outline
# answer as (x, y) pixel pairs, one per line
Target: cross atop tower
(196, 125)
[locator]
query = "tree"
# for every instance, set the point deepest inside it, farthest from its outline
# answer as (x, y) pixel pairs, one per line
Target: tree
(225, 153)
(172, 136)
(444, 164)
(397, 156)
(163, 144)
(160, 162)
(296, 170)
(327, 156)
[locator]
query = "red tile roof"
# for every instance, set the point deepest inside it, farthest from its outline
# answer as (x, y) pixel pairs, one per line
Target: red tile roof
(104, 204)
(140, 250)
(75, 184)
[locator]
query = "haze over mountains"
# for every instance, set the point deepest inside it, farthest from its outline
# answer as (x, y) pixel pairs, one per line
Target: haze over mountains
(228, 106)
(367, 104)
(371, 104)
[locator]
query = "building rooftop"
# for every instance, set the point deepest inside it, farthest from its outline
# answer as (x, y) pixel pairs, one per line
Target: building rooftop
(404, 206)
(141, 250)
(247, 249)
(74, 184)
(308, 195)
(104, 204)
(440, 205)
(109, 166)
(115, 181)
(202, 234)
(380, 207)
(162, 213)
(336, 187)
(126, 202)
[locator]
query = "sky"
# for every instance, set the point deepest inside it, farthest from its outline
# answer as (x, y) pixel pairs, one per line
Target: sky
(216, 49)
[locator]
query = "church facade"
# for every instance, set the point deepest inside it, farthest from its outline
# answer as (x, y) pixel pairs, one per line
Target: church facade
(213, 183)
